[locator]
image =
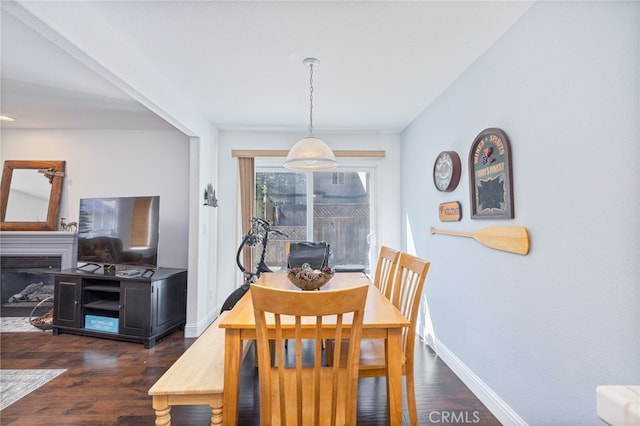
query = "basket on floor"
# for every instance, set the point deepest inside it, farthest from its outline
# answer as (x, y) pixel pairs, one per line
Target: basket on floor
(44, 322)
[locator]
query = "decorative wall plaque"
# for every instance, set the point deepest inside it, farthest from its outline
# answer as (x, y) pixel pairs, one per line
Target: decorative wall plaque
(490, 176)
(450, 212)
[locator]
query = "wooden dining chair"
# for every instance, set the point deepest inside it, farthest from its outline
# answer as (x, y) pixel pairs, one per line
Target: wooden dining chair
(311, 393)
(383, 279)
(385, 269)
(409, 282)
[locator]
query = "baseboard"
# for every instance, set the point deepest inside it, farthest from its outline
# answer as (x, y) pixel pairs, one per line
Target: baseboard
(484, 393)
(195, 330)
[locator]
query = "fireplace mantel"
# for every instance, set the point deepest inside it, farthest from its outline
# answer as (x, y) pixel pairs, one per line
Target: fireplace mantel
(41, 243)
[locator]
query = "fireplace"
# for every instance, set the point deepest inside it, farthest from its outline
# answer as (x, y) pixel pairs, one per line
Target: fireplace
(26, 262)
(26, 281)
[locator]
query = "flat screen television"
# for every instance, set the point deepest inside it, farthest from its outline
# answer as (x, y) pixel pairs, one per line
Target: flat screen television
(118, 231)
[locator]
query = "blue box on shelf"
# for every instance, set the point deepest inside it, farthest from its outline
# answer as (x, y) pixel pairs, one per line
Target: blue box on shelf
(100, 323)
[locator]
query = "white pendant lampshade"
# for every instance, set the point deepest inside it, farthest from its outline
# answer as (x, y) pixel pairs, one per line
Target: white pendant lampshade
(310, 154)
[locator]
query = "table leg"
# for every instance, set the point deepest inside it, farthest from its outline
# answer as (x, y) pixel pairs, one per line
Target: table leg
(163, 410)
(216, 404)
(232, 362)
(394, 375)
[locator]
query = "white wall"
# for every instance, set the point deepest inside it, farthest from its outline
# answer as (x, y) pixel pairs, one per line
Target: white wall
(111, 163)
(89, 41)
(540, 332)
(229, 231)
(202, 302)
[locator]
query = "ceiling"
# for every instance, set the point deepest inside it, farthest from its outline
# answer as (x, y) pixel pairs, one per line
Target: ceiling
(239, 63)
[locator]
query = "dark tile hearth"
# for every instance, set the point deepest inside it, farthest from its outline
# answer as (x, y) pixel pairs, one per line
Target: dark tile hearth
(24, 309)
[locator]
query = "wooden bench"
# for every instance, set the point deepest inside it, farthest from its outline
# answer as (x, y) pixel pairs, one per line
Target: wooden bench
(196, 378)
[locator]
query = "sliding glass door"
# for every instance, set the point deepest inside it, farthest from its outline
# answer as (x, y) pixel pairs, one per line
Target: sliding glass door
(333, 206)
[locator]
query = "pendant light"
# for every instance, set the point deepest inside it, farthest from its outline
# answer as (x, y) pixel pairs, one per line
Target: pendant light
(310, 154)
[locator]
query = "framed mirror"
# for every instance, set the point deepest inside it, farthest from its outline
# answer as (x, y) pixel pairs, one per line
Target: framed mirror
(30, 195)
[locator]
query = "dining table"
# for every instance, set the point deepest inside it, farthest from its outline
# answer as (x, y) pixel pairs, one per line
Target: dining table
(382, 320)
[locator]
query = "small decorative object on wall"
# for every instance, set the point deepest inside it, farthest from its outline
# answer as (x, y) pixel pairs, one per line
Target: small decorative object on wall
(490, 176)
(446, 171)
(210, 196)
(68, 226)
(450, 212)
(50, 173)
(512, 239)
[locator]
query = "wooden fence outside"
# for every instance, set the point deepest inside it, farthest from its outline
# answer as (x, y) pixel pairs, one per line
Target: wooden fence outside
(344, 226)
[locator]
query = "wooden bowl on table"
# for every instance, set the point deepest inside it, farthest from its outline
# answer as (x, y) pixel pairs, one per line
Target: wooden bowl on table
(309, 279)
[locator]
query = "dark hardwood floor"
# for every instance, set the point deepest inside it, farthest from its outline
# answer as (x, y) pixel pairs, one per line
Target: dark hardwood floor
(106, 383)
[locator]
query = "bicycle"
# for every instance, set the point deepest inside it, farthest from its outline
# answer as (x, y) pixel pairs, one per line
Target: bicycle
(258, 234)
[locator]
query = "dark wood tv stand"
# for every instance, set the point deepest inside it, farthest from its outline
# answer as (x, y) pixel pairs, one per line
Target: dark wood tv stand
(138, 309)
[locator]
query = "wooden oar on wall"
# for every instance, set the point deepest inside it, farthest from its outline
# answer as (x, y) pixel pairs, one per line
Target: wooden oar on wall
(514, 239)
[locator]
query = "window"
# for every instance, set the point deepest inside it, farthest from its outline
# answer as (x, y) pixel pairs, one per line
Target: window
(337, 178)
(323, 206)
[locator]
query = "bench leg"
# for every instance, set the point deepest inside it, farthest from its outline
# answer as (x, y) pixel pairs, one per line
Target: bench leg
(162, 409)
(216, 409)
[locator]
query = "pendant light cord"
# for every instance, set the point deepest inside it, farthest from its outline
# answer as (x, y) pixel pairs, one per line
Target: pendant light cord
(311, 99)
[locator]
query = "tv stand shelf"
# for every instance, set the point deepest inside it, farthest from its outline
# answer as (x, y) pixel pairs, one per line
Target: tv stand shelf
(137, 309)
(104, 288)
(104, 305)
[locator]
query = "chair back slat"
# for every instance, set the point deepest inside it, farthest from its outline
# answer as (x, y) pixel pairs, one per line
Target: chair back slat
(385, 270)
(300, 393)
(411, 273)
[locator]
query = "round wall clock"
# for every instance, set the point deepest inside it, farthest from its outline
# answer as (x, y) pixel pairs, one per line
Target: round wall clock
(446, 171)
